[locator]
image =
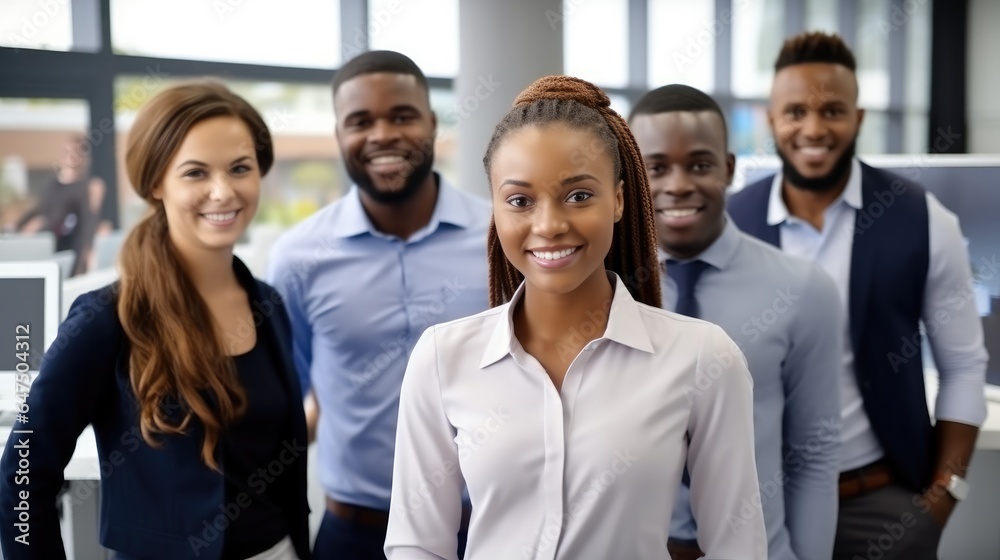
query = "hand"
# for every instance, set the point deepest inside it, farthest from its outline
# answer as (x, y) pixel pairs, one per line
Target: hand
(311, 406)
(937, 502)
(680, 551)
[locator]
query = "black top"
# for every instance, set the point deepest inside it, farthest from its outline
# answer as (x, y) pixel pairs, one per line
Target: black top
(160, 502)
(251, 458)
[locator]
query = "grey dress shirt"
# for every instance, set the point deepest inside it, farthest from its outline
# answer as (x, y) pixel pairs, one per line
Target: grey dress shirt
(786, 316)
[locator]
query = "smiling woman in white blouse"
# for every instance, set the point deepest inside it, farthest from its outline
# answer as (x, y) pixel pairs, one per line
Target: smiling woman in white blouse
(571, 408)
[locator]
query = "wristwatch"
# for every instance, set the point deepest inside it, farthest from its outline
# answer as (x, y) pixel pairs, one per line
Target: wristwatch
(955, 485)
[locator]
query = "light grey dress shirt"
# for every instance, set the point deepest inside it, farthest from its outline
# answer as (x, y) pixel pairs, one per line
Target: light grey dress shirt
(786, 317)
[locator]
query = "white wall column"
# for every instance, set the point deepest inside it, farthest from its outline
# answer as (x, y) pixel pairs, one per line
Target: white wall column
(504, 47)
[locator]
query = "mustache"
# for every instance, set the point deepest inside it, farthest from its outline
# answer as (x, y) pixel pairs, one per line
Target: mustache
(419, 164)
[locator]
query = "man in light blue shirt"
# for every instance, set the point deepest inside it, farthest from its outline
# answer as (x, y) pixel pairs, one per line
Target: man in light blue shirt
(363, 278)
(783, 312)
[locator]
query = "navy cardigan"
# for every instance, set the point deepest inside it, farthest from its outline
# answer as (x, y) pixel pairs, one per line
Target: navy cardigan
(155, 502)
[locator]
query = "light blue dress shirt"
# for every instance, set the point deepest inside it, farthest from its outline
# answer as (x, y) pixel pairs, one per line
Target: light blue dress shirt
(359, 299)
(785, 315)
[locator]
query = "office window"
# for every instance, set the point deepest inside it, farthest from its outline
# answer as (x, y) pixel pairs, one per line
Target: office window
(873, 136)
(451, 116)
(596, 31)
(424, 30)
(915, 125)
(307, 171)
(620, 104)
(917, 91)
(872, 54)
(34, 134)
(749, 133)
(31, 24)
(301, 33)
(682, 43)
(821, 15)
(758, 31)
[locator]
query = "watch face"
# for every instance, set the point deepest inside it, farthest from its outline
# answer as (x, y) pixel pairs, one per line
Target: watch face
(958, 487)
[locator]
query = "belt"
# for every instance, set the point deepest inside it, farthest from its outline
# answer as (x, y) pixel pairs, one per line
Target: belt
(856, 482)
(375, 518)
(360, 515)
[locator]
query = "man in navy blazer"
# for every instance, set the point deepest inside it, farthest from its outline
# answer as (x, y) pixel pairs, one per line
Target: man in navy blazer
(899, 259)
(155, 503)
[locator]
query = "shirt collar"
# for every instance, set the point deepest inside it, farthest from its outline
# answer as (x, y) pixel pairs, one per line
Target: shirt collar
(625, 325)
(449, 209)
(719, 254)
(777, 211)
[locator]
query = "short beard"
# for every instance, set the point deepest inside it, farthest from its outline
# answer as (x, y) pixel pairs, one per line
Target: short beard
(841, 169)
(411, 184)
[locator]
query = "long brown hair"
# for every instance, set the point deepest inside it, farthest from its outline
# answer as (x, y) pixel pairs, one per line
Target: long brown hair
(176, 359)
(583, 106)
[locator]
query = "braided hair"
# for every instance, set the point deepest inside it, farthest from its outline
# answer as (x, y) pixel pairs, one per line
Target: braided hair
(583, 106)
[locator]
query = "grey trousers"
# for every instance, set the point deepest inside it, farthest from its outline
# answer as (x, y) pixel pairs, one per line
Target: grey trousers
(887, 524)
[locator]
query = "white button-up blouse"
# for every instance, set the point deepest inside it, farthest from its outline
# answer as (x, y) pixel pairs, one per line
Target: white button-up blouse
(588, 472)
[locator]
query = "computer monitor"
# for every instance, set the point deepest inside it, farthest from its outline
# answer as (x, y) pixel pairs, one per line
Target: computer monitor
(39, 246)
(969, 186)
(106, 248)
(27, 247)
(30, 301)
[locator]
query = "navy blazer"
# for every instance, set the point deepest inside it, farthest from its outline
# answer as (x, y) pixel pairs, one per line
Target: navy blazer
(155, 502)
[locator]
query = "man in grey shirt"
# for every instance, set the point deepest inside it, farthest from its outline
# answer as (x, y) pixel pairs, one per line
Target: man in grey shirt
(783, 312)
